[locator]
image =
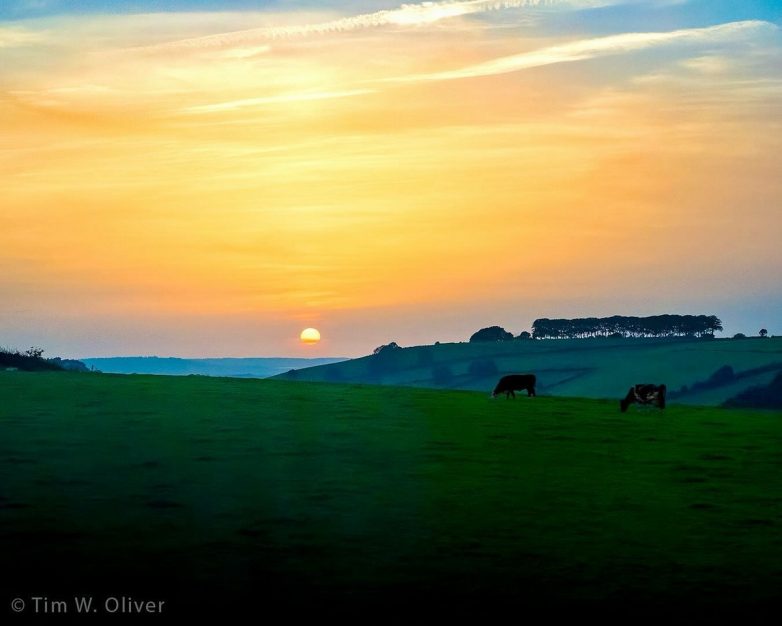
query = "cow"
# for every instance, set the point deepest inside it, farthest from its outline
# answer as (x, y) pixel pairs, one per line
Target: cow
(515, 382)
(645, 395)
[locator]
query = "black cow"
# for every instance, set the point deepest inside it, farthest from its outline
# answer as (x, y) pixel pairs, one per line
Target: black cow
(515, 382)
(644, 394)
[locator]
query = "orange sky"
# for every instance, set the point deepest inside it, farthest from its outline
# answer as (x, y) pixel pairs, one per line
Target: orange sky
(407, 182)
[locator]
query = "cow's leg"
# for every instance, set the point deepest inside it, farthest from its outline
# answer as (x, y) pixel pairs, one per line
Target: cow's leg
(530, 391)
(512, 394)
(627, 401)
(661, 397)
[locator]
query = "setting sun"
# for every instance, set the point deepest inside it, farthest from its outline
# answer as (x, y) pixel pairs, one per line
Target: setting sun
(310, 335)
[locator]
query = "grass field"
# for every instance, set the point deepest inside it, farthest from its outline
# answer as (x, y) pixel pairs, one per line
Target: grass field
(218, 494)
(589, 368)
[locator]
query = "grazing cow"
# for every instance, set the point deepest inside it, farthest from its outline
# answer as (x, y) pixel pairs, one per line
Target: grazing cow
(645, 395)
(515, 382)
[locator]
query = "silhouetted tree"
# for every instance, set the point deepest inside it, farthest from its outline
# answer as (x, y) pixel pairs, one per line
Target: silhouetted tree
(624, 326)
(713, 323)
(384, 359)
(386, 347)
(525, 334)
(763, 332)
(739, 336)
(492, 333)
(30, 360)
(70, 364)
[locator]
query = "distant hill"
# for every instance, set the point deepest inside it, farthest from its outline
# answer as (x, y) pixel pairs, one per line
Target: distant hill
(70, 364)
(235, 368)
(592, 368)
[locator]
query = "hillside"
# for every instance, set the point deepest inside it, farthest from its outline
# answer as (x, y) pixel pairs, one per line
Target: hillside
(233, 367)
(592, 368)
(761, 396)
(224, 495)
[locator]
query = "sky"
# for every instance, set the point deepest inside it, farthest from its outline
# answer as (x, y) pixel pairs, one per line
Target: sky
(209, 178)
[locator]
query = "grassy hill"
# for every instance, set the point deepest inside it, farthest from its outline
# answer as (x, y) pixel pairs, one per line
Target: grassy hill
(591, 368)
(218, 495)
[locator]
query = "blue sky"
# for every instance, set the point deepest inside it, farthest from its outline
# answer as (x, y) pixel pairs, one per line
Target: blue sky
(19, 9)
(677, 12)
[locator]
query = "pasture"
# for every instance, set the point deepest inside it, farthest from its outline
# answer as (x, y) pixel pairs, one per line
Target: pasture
(218, 494)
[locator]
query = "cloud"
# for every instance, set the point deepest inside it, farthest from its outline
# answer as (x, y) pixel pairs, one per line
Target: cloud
(709, 64)
(597, 47)
(278, 99)
(16, 37)
(406, 15)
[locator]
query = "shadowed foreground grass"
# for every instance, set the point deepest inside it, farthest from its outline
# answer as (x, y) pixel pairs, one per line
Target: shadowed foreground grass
(223, 494)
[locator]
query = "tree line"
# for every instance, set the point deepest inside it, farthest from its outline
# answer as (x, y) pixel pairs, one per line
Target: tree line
(627, 326)
(30, 360)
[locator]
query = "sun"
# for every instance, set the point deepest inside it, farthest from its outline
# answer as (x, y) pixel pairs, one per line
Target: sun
(310, 335)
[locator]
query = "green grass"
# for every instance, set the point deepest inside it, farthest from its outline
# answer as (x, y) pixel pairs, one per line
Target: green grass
(590, 368)
(199, 490)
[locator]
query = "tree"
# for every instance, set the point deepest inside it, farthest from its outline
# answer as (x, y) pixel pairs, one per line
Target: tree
(492, 333)
(34, 352)
(525, 335)
(628, 326)
(763, 332)
(739, 336)
(386, 347)
(713, 323)
(384, 359)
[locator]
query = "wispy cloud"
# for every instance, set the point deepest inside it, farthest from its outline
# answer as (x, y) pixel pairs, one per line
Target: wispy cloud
(406, 15)
(278, 99)
(591, 48)
(11, 37)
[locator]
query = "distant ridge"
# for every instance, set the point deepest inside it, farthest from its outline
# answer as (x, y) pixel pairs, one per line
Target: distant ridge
(231, 367)
(703, 370)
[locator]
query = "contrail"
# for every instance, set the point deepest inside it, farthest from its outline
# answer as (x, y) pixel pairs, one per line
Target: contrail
(591, 48)
(405, 15)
